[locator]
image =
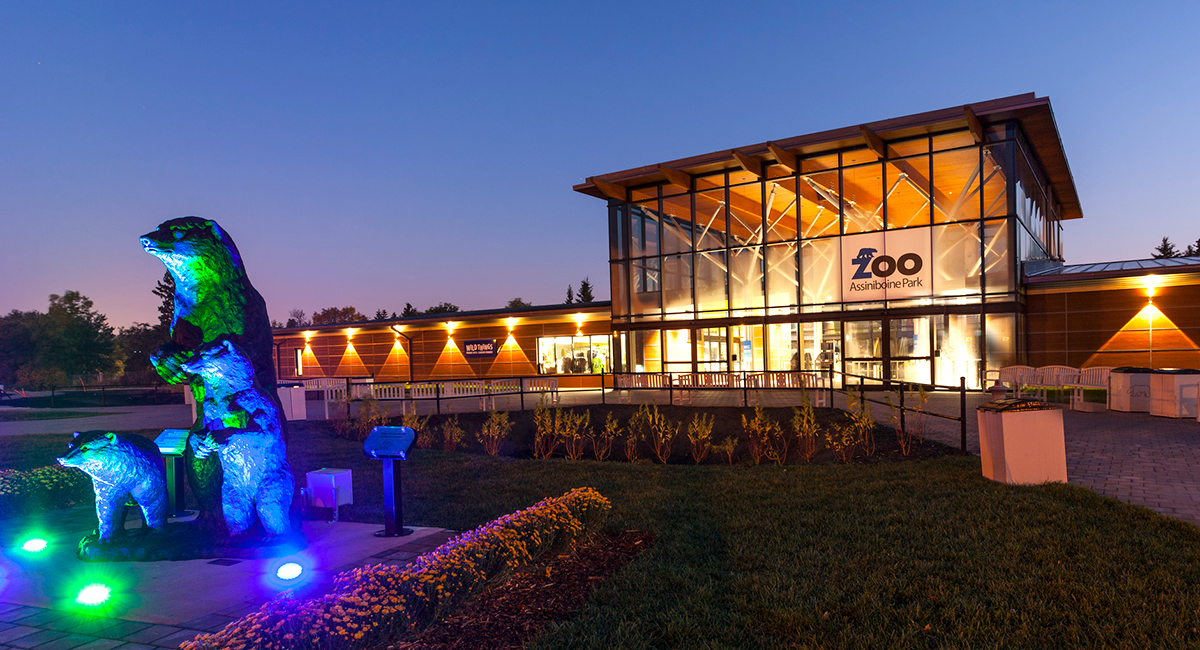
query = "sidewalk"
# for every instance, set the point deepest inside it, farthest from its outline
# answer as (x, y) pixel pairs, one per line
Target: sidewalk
(111, 418)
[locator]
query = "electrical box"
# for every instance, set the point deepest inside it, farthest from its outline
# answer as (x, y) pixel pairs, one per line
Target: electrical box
(321, 484)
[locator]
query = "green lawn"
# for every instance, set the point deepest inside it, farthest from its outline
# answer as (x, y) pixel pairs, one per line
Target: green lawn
(900, 554)
(754, 556)
(25, 416)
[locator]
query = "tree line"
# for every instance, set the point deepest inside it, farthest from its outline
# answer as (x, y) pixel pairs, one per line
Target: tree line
(1168, 249)
(336, 315)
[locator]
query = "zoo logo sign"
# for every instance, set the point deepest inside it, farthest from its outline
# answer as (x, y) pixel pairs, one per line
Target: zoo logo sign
(883, 267)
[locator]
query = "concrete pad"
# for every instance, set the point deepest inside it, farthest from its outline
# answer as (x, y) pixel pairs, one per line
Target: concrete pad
(111, 418)
(197, 593)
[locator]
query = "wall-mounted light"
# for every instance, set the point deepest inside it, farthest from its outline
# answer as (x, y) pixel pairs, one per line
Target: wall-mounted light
(350, 332)
(1150, 282)
(308, 337)
(511, 323)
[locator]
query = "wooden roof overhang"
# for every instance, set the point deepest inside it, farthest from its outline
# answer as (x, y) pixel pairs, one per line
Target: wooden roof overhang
(1032, 112)
(578, 312)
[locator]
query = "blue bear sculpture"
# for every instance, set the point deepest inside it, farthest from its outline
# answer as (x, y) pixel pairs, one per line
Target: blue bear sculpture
(242, 426)
(121, 466)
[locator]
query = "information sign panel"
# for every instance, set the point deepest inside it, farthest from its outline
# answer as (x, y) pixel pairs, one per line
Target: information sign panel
(479, 349)
(171, 442)
(389, 442)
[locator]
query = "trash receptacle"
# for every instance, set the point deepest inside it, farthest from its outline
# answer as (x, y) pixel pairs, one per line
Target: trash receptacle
(1172, 392)
(1021, 442)
(1129, 389)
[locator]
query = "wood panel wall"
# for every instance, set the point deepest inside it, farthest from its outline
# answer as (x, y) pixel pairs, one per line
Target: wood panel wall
(1083, 328)
(434, 355)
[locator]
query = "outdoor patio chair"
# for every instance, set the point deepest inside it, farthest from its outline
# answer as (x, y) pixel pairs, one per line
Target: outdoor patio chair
(1011, 376)
(1094, 378)
(1049, 378)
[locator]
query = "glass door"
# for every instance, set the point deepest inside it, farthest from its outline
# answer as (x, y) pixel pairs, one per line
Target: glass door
(713, 350)
(909, 350)
(864, 351)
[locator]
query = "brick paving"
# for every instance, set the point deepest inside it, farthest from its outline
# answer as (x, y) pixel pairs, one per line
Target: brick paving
(38, 628)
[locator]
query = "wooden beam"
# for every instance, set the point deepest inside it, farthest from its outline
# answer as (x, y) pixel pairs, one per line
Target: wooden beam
(611, 190)
(752, 165)
(974, 123)
(874, 142)
(676, 177)
(784, 157)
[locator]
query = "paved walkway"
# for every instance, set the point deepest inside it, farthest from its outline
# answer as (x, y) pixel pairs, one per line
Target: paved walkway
(36, 590)
(111, 418)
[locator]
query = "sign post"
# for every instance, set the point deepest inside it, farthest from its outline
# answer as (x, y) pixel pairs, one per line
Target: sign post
(171, 443)
(391, 444)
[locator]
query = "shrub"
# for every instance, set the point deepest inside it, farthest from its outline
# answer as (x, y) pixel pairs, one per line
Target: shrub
(842, 439)
(374, 604)
(765, 438)
(639, 428)
(804, 425)
(495, 430)
(545, 439)
(699, 435)
(45, 488)
(727, 447)
(452, 433)
(420, 427)
(662, 434)
(602, 441)
(572, 427)
(861, 422)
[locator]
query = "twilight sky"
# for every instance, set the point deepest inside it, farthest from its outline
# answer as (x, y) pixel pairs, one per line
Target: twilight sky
(372, 154)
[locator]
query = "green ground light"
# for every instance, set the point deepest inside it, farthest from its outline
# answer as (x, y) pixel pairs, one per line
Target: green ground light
(34, 545)
(93, 594)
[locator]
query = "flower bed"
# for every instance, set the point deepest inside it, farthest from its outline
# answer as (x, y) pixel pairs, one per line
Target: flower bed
(44, 488)
(376, 603)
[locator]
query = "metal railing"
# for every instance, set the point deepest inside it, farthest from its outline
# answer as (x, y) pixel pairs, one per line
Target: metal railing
(878, 384)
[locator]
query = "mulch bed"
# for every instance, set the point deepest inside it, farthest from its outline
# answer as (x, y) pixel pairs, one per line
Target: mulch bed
(513, 613)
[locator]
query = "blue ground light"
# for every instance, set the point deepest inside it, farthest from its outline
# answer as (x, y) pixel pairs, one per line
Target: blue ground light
(289, 571)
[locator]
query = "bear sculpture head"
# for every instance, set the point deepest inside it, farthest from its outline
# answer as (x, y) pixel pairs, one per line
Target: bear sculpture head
(223, 367)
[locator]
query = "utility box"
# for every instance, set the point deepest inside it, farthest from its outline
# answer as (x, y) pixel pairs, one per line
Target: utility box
(1021, 442)
(1129, 389)
(321, 485)
(1173, 392)
(292, 400)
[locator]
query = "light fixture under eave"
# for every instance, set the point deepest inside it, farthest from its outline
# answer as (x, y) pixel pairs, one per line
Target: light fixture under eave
(350, 332)
(511, 323)
(308, 336)
(1150, 283)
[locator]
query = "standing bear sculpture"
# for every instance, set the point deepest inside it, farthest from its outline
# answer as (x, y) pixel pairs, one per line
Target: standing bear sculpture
(213, 300)
(242, 425)
(121, 466)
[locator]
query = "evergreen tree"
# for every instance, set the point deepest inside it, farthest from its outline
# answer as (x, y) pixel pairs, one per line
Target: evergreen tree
(409, 310)
(1193, 249)
(570, 295)
(165, 289)
(1165, 249)
(585, 291)
(380, 314)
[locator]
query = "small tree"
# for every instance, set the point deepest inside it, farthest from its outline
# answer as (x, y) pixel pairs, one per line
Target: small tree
(1165, 249)
(495, 430)
(727, 446)
(585, 291)
(862, 423)
(700, 436)
(443, 308)
(570, 295)
(165, 290)
(381, 314)
(420, 427)
(452, 433)
(545, 435)
(602, 440)
(662, 435)
(572, 428)
(804, 425)
(409, 310)
(297, 318)
(517, 303)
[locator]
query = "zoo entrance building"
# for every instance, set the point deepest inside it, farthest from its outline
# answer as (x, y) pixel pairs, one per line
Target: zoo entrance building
(923, 248)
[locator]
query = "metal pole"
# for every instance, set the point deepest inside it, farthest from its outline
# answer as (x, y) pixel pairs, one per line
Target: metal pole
(437, 396)
(602, 398)
(393, 506)
(521, 390)
(347, 398)
(962, 410)
(902, 425)
(745, 391)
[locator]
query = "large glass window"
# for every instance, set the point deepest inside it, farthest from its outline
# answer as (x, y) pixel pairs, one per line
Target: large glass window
(645, 288)
(574, 355)
(710, 220)
(998, 263)
(864, 339)
(677, 224)
(782, 286)
(956, 185)
(1001, 340)
(908, 192)
(711, 278)
(678, 350)
(956, 259)
(821, 271)
(643, 229)
(746, 348)
(783, 344)
(862, 198)
(645, 351)
(746, 281)
(958, 350)
(821, 345)
(781, 210)
(745, 214)
(677, 286)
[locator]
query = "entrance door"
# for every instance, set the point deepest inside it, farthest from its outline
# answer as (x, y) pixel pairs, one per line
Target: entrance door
(909, 349)
(713, 350)
(864, 351)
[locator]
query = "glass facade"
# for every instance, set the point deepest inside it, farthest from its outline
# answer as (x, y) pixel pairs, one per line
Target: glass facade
(903, 267)
(574, 355)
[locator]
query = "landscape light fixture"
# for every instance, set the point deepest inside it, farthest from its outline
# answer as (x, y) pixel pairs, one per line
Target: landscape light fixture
(34, 545)
(289, 571)
(93, 594)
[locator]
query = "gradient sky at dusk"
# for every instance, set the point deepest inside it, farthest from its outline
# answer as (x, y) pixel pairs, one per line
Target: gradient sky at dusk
(376, 154)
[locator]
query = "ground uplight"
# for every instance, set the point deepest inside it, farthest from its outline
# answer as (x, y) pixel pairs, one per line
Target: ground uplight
(93, 594)
(34, 545)
(289, 571)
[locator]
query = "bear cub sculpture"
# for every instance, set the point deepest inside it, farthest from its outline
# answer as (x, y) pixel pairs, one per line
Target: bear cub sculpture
(242, 425)
(121, 466)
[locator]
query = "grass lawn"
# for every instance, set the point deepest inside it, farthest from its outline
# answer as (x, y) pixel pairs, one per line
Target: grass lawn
(898, 553)
(25, 416)
(913, 554)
